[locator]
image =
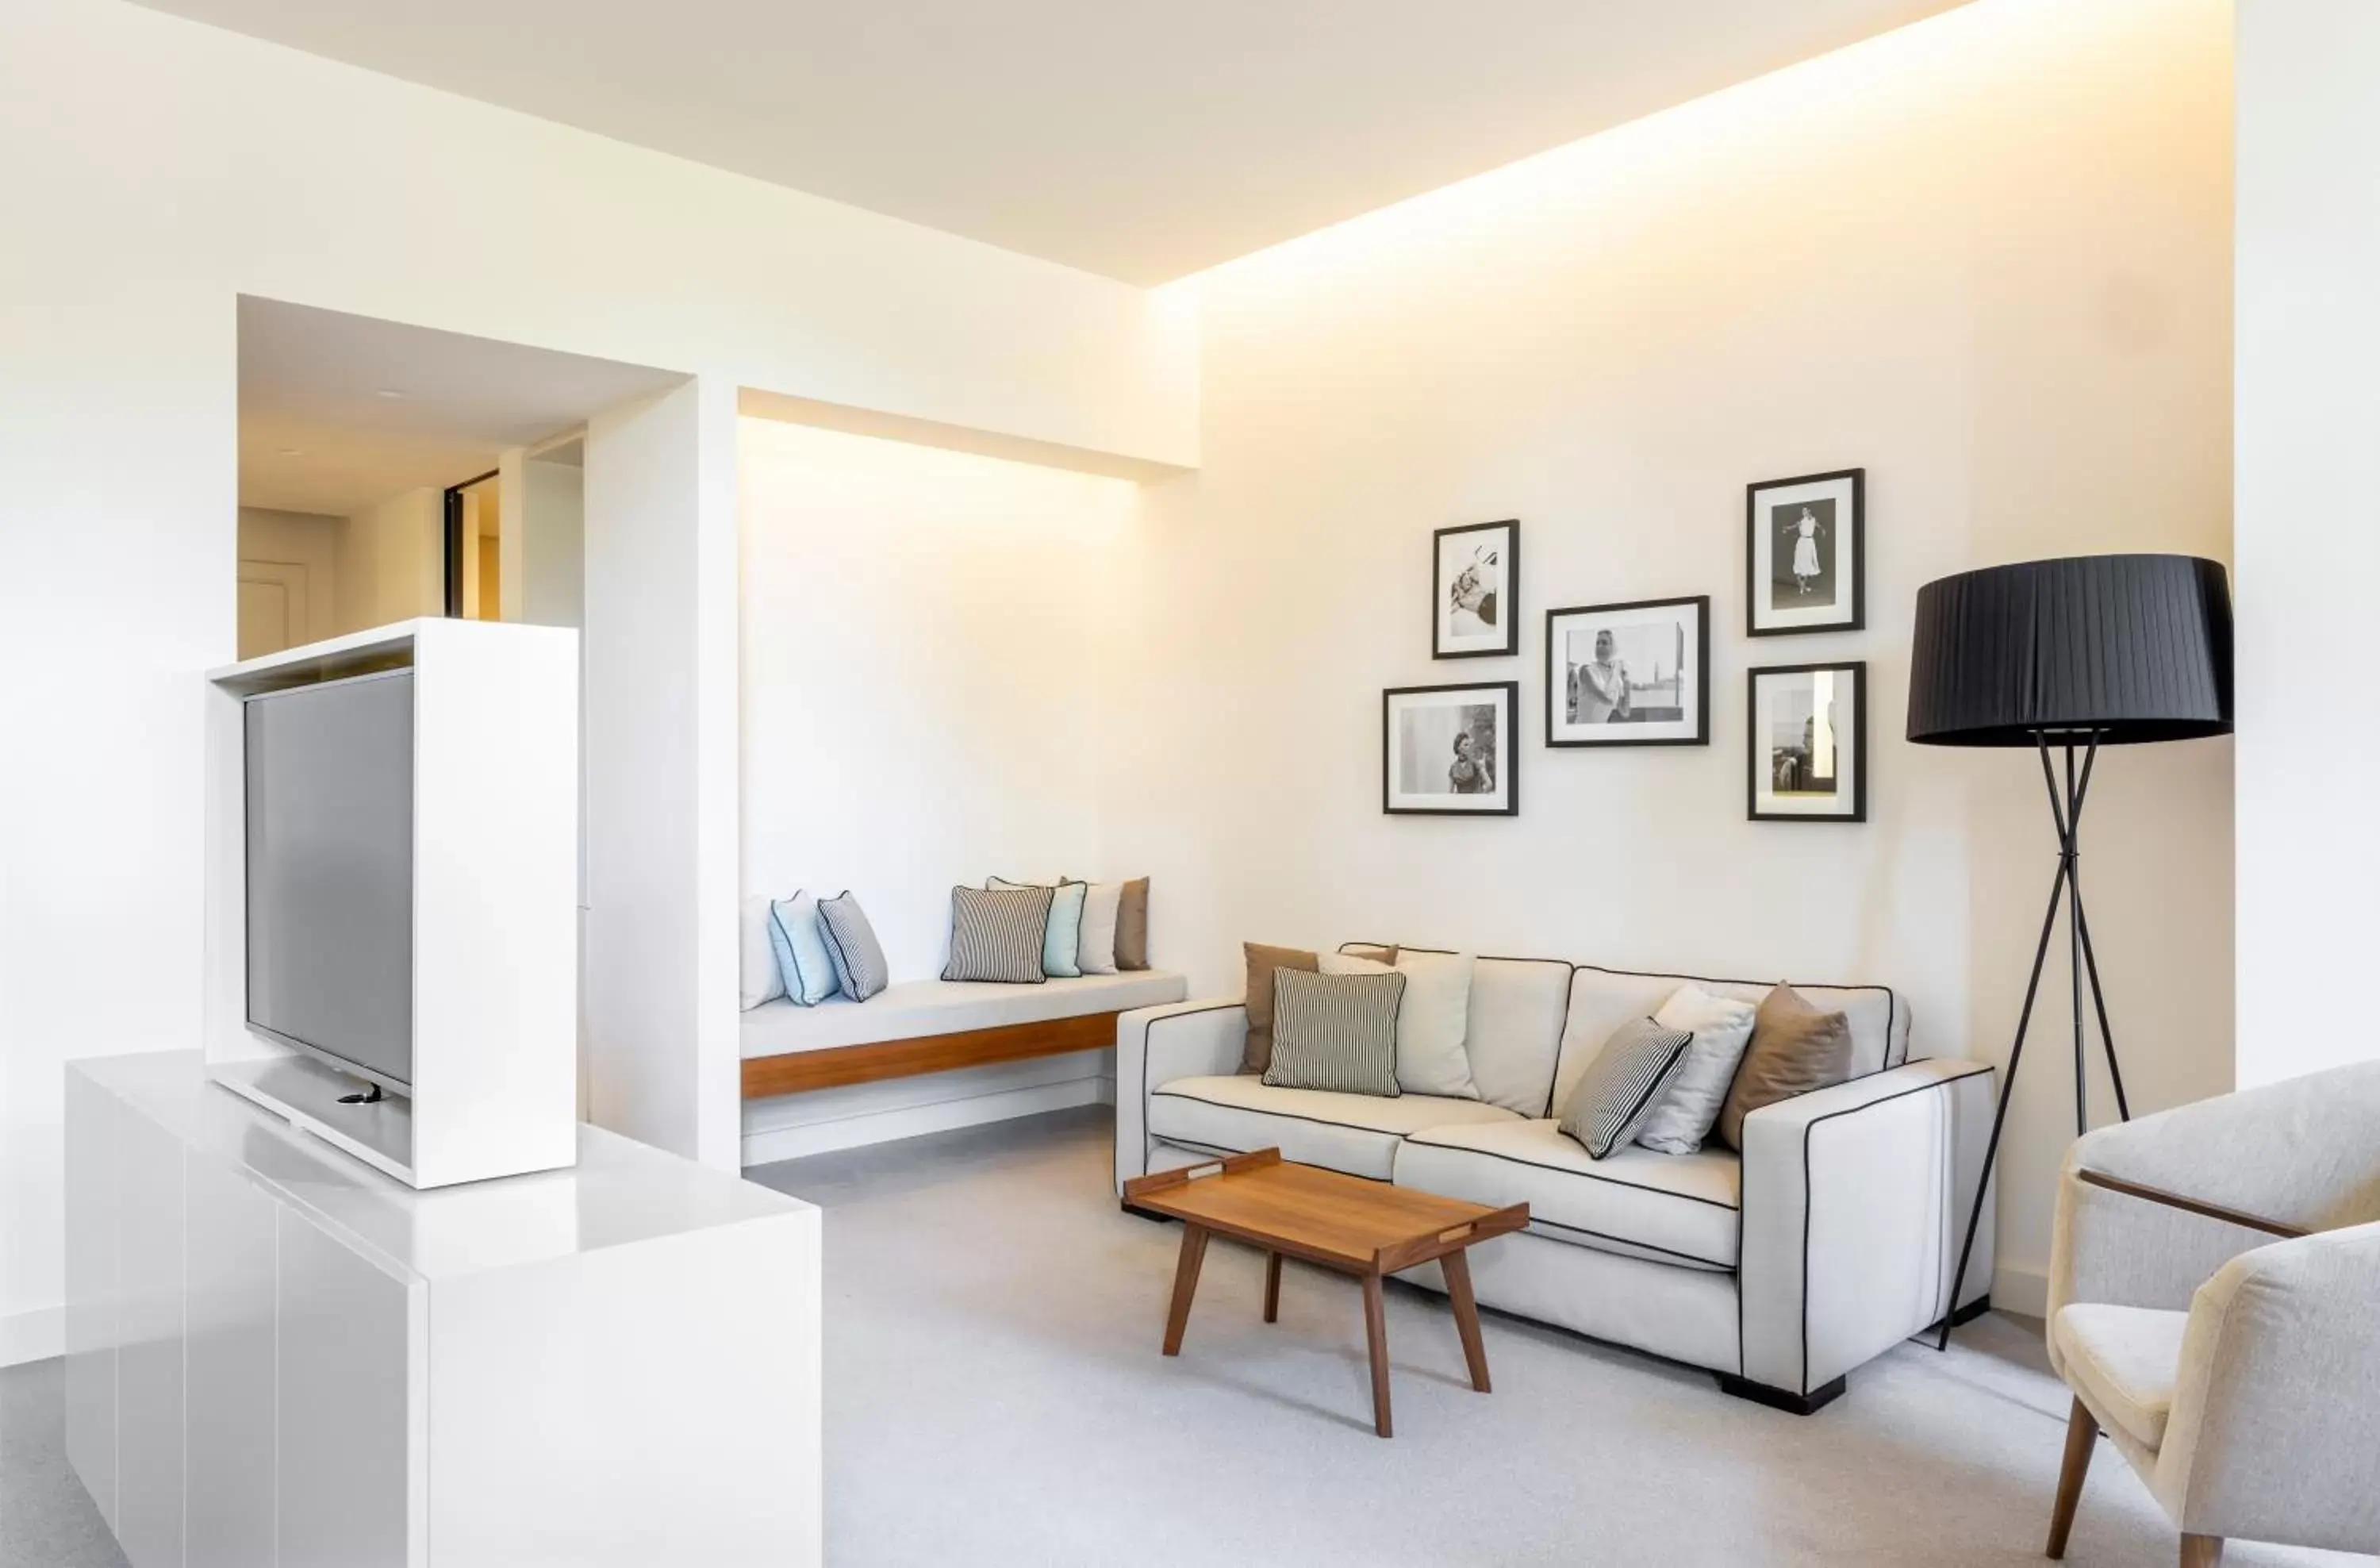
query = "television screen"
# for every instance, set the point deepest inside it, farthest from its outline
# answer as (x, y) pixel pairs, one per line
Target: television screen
(330, 871)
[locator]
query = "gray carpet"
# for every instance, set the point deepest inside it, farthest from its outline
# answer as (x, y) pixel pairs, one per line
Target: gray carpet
(995, 1395)
(46, 1519)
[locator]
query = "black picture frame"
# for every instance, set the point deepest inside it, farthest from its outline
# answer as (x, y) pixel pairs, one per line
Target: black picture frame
(1557, 679)
(1506, 760)
(1850, 545)
(1508, 595)
(1759, 766)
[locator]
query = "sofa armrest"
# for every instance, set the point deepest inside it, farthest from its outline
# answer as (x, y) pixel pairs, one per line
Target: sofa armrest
(1157, 1045)
(1854, 1201)
(2273, 1435)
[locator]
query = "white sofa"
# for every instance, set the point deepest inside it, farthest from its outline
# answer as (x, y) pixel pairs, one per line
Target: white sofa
(1827, 1241)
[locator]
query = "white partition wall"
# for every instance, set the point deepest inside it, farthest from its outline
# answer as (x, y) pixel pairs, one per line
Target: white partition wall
(493, 1084)
(2306, 521)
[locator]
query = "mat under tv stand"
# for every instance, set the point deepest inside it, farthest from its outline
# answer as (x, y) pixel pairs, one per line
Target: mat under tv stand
(276, 1354)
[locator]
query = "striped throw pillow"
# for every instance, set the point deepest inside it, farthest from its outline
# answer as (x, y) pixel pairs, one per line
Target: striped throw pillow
(851, 946)
(1623, 1084)
(997, 934)
(1336, 1032)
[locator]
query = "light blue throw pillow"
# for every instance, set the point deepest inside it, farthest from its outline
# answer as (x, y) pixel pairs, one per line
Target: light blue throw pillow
(801, 950)
(1064, 934)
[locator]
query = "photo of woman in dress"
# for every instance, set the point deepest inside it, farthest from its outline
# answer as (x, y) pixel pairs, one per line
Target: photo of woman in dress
(1444, 749)
(1803, 533)
(1473, 772)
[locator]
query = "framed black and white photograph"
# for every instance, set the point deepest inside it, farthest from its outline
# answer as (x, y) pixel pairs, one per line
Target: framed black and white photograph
(1808, 743)
(1805, 553)
(1476, 590)
(1448, 750)
(1629, 674)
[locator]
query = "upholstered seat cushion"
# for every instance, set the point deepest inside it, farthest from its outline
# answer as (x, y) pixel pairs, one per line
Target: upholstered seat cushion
(2123, 1361)
(1354, 1133)
(910, 1009)
(1677, 1209)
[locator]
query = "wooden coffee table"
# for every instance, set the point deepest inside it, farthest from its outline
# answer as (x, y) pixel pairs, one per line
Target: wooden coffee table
(1344, 1224)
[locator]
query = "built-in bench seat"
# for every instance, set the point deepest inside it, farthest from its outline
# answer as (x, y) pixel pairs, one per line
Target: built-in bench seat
(933, 1026)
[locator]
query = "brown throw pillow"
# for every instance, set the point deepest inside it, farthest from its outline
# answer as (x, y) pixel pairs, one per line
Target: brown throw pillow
(1256, 1056)
(1132, 926)
(1377, 952)
(1794, 1049)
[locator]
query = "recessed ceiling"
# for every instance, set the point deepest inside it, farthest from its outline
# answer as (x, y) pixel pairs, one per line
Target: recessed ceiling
(339, 412)
(1141, 138)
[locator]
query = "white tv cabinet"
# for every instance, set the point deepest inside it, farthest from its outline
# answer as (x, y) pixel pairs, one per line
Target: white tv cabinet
(495, 1089)
(278, 1357)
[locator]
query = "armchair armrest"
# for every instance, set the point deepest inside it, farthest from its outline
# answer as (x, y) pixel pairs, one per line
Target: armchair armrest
(2273, 1434)
(1157, 1045)
(1853, 1201)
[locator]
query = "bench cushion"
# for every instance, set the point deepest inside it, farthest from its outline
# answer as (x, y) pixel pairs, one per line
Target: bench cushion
(1357, 1134)
(1677, 1209)
(909, 1009)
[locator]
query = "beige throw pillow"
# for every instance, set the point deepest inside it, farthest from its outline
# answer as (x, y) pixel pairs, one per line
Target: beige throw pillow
(1794, 1049)
(1257, 1055)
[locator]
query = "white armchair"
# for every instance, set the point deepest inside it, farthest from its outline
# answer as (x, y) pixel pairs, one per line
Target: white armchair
(2240, 1374)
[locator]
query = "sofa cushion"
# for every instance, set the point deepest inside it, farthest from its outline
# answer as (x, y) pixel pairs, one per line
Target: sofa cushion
(2123, 1361)
(1602, 999)
(1354, 1133)
(1671, 1208)
(1514, 1031)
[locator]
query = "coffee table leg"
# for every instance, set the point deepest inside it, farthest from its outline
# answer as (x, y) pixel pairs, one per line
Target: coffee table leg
(1185, 1284)
(1273, 1287)
(1375, 1330)
(1456, 1265)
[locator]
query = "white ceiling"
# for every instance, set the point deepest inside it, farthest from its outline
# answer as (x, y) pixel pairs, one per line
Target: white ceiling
(1141, 138)
(319, 431)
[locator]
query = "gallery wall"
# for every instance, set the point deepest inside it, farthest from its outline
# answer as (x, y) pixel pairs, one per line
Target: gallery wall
(154, 159)
(1987, 258)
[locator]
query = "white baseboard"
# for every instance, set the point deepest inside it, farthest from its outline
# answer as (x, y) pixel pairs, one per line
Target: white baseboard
(35, 1334)
(2025, 1290)
(826, 1120)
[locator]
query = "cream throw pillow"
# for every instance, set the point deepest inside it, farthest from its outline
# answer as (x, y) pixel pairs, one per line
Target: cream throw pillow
(1433, 1021)
(1721, 1030)
(1096, 951)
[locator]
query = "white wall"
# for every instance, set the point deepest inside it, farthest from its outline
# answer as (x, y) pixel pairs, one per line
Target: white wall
(393, 561)
(553, 544)
(1987, 258)
(922, 632)
(2308, 524)
(154, 159)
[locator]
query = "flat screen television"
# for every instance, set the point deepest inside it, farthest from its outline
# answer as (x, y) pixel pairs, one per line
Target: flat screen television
(329, 779)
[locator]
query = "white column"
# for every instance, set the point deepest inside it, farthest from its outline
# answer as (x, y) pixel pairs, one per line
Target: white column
(2306, 522)
(659, 516)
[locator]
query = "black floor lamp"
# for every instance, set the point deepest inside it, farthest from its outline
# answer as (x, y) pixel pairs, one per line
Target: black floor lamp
(2086, 651)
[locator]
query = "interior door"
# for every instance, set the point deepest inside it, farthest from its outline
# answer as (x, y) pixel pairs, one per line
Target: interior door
(271, 606)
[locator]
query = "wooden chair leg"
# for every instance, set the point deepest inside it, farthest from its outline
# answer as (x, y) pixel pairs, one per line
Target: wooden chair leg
(1273, 1287)
(1456, 1266)
(1185, 1286)
(2202, 1552)
(1375, 1331)
(2082, 1440)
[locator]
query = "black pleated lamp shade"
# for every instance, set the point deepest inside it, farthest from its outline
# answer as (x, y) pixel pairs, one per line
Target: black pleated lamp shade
(2135, 648)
